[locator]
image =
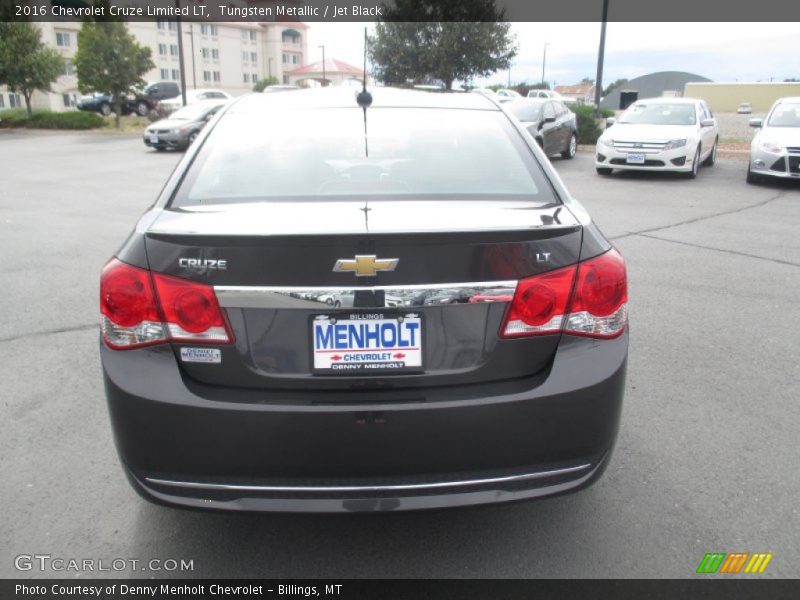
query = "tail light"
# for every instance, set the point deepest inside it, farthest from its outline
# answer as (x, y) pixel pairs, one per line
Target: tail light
(139, 309)
(587, 299)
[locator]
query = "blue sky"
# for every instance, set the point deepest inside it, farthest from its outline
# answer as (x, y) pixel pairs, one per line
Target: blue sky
(719, 51)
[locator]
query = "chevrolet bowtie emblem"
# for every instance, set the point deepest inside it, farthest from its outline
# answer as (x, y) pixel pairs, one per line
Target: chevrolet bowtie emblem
(365, 265)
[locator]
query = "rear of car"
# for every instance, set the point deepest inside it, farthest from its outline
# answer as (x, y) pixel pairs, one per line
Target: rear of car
(268, 340)
(775, 149)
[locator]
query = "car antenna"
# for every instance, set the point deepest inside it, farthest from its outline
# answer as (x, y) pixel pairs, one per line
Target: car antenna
(364, 98)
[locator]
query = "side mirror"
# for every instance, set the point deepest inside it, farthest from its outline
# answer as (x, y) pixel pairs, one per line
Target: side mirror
(707, 123)
(756, 122)
(549, 120)
(610, 121)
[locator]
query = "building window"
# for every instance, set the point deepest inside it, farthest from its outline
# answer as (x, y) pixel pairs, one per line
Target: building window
(216, 76)
(69, 100)
(173, 49)
(205, 52)
(160, 23)
(164, 73)
(215, 54)
(214, 30)
(176, 74)
(62, 39)
(14, 101)
(290, 37)
(244, 35)
(247, 77)
(69, 70)
(286, 79)
(255, 77)
(206, 75)
(204, 29)
(173, 26)
(253, 36)
(254, 57)
(285, 58)
(162, 49)
(295, 59)
(245, 57)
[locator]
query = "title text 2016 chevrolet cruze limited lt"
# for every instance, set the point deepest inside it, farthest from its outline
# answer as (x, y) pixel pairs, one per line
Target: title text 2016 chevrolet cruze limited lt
(233, 383)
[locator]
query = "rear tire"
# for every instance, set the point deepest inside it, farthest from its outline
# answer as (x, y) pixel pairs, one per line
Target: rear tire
(711, 158)
(193, 137)
(105, 109)
(603, 170)
(160, 148)
(695, 165)
(142, 109)
(572, 147)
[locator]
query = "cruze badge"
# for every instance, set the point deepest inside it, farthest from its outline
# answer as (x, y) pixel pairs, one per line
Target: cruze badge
(365, 265)
(202, 263)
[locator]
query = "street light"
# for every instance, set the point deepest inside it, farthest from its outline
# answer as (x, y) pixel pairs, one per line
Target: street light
(544, 60)
(269, 66)
(324, 82)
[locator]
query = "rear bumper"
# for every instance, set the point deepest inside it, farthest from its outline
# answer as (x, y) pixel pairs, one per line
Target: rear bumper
(259, 451)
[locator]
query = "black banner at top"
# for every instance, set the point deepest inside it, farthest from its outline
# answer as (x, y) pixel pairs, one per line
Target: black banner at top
(333, 11)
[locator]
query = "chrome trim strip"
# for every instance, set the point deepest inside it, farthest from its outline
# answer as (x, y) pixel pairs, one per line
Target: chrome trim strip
(232, 296)
(366, 488)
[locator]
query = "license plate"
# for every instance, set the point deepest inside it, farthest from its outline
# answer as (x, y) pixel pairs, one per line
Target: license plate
(635, 159)
(153, 138)
(366, 344)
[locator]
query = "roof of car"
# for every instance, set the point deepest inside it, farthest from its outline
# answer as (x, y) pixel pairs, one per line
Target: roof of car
(668, 100)
(345, 97)
(789, 99)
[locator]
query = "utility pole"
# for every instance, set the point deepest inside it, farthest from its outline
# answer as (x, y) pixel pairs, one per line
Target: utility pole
(324, 78)
(180, 53)
(544, 60)
(598, 81)
(194, 72)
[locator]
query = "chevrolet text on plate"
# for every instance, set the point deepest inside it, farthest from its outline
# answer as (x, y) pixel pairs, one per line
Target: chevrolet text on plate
(363, 301)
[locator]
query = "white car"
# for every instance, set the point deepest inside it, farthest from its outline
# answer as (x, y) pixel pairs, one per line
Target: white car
(192, 97)
(506, 95)
(552, 96)
(660, 134)
(775, 150)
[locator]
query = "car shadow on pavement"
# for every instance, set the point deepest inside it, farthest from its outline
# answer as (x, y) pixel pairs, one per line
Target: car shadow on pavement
(486, 541)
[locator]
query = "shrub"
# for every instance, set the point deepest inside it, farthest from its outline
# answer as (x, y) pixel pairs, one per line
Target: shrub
(588, 131)
(51, 120)
(263, 83)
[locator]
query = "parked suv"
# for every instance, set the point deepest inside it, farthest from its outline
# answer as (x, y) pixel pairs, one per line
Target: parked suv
(146, 100)
(101, 103)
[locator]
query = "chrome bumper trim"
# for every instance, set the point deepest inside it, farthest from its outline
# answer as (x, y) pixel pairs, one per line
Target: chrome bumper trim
(277, 296)
(367, 488)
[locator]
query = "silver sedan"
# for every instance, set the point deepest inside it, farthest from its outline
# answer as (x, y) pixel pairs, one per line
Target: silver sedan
(775, 150)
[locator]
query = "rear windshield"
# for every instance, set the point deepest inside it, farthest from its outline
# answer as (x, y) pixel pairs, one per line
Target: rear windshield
(660, 113)
(314, 154)
(785, 115)
(526, 110)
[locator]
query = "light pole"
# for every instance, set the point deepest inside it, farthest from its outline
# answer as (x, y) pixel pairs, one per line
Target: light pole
(324, 81)
(269, 66)
(194, 72)
(544, 60)
(598, 82)
(181, 62)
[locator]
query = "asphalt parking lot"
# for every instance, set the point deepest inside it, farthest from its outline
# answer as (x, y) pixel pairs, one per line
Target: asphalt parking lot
(707, 458)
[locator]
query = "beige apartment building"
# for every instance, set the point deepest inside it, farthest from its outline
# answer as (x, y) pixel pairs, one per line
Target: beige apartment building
(227, 56)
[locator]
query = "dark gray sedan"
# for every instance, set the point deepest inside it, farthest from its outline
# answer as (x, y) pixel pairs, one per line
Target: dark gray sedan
(182, 127)
(229, 388)
(550, 122)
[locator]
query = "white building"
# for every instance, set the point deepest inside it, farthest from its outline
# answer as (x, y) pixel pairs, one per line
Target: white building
(228, 56)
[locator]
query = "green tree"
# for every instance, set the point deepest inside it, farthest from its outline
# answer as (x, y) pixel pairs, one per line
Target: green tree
(263, 83)
(26, 64)
(109, 60)
(614, 84)
(459, 40)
